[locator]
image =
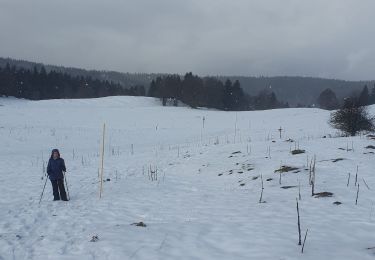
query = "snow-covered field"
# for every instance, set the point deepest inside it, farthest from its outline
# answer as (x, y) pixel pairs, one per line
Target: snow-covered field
(204, 203)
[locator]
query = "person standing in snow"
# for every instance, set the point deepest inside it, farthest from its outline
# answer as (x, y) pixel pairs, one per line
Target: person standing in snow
(55, 169)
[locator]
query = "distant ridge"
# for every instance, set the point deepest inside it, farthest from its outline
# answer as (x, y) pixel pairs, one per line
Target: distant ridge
(301, 90)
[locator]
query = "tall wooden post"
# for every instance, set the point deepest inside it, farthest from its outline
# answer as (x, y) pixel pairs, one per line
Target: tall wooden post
(102, 164)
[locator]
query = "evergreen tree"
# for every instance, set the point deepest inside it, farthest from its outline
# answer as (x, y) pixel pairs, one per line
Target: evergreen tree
(364, 97)
(266, 100)
(213, 93)
(328, 100)
(172, 86)
(272, 101)
(190, 90)
(233, 97)
(238, 96)
(152, 90)
(372, 97)
(228, 95)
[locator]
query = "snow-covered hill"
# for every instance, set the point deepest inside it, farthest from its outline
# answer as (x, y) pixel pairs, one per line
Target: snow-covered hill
(204, 203)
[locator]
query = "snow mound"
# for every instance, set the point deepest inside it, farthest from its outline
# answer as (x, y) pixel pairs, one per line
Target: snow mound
(193, 178)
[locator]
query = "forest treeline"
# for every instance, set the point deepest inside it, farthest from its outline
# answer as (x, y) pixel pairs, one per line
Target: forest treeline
(37, 84)
(328, 99)
(297, 91)
(210, 92)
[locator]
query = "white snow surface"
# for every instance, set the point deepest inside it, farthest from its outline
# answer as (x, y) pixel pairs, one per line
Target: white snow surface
(197, 208)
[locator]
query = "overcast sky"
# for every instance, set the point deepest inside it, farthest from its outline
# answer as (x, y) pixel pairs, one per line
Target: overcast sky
(325, 38)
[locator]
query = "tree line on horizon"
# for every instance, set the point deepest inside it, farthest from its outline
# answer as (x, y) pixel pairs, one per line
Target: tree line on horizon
(38, 84)
(297, 91)
(210, 92)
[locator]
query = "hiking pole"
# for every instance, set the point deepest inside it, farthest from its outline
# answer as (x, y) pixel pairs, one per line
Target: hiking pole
(67, 188)
(41, 195)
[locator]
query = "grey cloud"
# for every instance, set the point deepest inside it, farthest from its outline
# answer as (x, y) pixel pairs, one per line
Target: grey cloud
(266, 37)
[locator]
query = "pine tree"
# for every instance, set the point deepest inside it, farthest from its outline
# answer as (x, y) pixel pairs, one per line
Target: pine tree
(328, 100)
(237, 96)
(228, 95)
(273, 103)
(364, 97)
(372, 97)
(190, 90)
(152, 90)
(213, 93)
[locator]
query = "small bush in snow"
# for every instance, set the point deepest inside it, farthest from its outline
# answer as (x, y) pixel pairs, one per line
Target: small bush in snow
(352, 118)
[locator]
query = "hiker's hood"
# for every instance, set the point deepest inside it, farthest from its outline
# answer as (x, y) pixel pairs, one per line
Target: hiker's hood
(55, 150)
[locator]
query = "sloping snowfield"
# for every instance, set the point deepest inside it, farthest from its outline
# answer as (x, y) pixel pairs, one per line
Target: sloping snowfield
(203, 200)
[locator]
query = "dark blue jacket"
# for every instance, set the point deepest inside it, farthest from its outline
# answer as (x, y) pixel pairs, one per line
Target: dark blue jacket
(55, 168)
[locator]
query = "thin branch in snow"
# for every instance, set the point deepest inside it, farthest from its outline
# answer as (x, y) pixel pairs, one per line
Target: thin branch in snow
(304, 241)
(366, 184)
(163, 242)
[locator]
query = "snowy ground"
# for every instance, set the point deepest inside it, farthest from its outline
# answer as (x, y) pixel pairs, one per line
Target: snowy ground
(205, 201)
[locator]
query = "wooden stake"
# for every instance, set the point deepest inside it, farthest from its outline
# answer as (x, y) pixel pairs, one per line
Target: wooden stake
(347, 185)
(102, 164)
(261, 193)
(304, 240)
(356, 199)
(307, 161)
(299, 225)
(310, 171)
(313, 177)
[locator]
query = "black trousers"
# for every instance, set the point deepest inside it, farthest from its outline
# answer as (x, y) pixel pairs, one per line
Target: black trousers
(58, 190)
